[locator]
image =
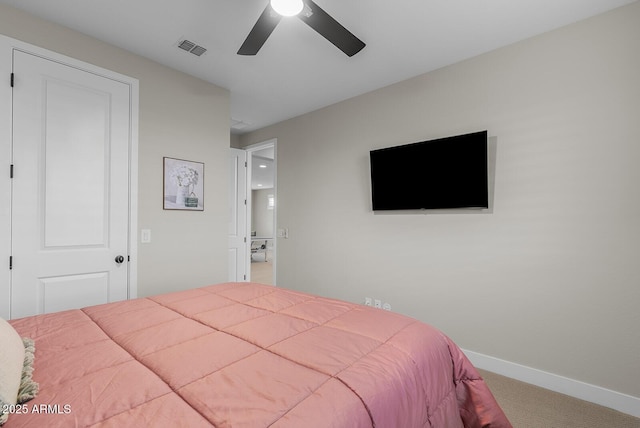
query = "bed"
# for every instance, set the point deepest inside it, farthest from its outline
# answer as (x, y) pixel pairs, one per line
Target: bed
(247, 355)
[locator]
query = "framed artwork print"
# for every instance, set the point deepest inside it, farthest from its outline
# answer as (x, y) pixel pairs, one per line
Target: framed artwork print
(183, 185)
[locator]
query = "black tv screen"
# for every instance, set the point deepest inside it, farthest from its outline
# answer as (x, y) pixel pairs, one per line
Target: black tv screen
(437, 174)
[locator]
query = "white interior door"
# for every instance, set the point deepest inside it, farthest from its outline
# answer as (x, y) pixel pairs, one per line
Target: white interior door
(70, 205)
(238, 246)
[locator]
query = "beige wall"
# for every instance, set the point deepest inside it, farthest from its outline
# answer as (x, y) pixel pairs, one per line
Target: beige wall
(180, 116)
(261, 215)
(235, 141)
(550, 277)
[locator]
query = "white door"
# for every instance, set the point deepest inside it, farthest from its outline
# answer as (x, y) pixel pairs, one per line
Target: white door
(238, 247)
(70, 209)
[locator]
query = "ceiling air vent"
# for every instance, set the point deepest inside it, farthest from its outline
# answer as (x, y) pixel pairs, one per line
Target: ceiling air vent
(190, 46)
(238, 124)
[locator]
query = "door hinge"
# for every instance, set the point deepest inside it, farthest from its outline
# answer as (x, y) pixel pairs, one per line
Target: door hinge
(11, 171)
(245, 162)
(128, 258)
(245, 202)
(245, 239)
(12, 79)
(245, 277)
(10, 262)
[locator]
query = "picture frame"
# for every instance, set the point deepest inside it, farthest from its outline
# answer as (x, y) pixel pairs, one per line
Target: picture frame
(183, 185)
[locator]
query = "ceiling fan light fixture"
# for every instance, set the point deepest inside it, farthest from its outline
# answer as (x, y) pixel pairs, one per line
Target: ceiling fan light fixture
(287, 7)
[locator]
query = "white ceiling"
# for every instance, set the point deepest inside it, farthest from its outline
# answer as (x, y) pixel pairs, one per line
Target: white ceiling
(297, 70)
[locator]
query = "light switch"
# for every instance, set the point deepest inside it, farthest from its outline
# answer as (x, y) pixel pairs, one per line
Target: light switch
(283, 233)
(145, 236)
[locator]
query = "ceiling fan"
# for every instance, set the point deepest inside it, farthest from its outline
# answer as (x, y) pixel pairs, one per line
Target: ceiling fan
(311, 14)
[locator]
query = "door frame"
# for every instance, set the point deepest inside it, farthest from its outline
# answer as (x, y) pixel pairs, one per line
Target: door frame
(250, 150)
(7, 47)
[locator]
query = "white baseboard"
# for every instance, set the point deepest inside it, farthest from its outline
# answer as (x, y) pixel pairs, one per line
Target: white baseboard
(595, 394)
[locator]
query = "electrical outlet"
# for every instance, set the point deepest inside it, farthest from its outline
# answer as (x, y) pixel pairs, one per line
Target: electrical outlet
(377, 303)
(368, 301)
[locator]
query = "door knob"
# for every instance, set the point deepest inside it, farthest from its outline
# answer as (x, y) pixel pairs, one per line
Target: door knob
(119, 259)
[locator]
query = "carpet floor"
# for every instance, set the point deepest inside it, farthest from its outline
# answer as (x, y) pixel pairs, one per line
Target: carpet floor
(529, 406)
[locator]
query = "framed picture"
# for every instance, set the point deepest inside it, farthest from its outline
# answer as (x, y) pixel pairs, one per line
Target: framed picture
(183, 185)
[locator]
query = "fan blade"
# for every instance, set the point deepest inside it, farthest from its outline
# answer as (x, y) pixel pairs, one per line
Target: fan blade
(331, 29)
(260, 32)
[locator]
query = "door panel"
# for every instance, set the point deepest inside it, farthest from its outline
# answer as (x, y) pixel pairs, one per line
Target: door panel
(238, 215)
(75, 210)
(85, 290)
(70, 187)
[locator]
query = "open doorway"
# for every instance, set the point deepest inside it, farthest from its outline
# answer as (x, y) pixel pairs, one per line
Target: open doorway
(262, 211)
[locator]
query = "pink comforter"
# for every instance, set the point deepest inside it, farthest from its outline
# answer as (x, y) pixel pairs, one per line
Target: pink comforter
(248, 355)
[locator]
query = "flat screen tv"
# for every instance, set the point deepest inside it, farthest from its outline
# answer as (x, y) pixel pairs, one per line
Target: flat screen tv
(436, 174)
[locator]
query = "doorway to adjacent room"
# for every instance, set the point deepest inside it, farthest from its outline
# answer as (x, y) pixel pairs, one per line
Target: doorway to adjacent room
(261, 210)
